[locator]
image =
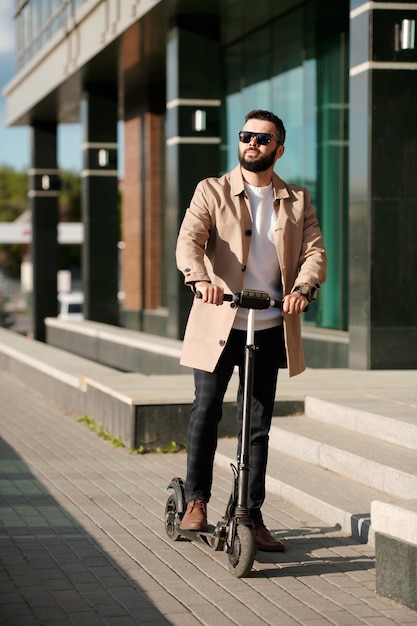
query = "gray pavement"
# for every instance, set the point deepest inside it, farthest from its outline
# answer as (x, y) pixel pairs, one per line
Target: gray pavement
(82, 538)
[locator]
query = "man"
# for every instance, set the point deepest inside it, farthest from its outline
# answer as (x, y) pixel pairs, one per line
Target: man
(245, 230)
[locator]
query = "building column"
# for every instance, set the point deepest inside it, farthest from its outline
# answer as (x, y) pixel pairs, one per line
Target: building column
(383, 186)
(143, 242)
(192, 138)
(43, 200)
(100, 206)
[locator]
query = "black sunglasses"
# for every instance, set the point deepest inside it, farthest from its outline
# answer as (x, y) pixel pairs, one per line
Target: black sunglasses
(262, 139)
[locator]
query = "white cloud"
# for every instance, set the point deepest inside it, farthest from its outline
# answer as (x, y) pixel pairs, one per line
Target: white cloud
(6, 27)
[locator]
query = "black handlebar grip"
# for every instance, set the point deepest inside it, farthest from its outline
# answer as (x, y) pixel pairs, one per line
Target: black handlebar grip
(227, 297)
(248, 299)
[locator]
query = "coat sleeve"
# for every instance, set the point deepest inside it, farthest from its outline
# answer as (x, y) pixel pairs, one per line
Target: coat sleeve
(193, 237)
(312, 264)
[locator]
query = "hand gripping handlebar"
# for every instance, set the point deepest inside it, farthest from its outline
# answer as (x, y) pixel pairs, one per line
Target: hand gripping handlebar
(249, 299)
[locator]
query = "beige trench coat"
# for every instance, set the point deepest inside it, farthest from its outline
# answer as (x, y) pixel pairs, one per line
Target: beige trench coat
(213, 245)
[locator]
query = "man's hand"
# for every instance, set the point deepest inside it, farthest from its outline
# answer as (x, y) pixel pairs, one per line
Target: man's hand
(294, 303)
(209, 293)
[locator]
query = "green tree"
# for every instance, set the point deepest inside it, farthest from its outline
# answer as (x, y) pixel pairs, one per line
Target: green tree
(70, 197)
(70, 211)
(13, 193)
(13, 202)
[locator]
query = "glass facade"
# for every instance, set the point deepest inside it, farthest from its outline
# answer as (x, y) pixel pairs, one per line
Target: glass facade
(297, 66)
(335, 73)
(291, 58)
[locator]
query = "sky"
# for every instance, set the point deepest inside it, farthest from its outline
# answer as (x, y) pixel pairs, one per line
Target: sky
(14, 141)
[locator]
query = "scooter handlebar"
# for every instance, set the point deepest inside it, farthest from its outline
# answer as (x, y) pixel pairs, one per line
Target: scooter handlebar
(249, 299)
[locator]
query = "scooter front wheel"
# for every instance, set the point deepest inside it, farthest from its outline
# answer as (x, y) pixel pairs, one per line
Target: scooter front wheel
(243, 554)
(171, 510)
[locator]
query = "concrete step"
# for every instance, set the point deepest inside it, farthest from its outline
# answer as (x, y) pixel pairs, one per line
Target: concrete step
(375, 463)
(372, 415)
(336, 499)
(329, 463)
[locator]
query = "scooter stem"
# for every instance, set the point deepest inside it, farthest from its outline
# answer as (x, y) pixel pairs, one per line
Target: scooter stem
(242, 505)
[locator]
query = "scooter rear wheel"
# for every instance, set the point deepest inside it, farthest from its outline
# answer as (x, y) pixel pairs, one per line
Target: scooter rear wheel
(244, 549)
(171, 509)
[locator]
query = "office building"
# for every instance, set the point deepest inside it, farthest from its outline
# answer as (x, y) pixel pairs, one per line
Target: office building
(181, 75)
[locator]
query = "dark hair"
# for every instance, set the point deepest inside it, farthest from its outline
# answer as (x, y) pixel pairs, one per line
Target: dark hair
(267, 116)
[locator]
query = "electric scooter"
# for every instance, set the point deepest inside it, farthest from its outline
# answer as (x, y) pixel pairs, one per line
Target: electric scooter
(233, 533)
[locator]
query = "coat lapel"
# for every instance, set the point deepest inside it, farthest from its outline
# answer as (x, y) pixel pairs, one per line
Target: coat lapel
(242, 207)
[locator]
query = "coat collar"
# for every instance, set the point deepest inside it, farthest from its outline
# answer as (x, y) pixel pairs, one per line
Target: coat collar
(238, 185)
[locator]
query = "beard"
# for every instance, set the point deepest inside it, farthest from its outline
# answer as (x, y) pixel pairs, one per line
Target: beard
(260, 164)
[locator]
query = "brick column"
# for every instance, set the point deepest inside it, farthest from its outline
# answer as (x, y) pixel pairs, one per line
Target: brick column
(142, 216)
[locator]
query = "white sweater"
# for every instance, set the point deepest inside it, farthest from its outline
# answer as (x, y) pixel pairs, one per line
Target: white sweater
(262, 269)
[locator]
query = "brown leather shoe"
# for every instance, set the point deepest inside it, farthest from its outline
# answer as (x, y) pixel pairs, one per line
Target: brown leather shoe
(195, 516)
(264, 540)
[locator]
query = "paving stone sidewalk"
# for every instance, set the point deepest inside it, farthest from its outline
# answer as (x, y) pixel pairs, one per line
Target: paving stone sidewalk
(82, 541)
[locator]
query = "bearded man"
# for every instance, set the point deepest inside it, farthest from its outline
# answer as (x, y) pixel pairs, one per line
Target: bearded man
(247, 229)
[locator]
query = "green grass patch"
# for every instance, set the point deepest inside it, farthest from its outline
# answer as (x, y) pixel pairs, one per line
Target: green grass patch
(101, 432)
(171, 448)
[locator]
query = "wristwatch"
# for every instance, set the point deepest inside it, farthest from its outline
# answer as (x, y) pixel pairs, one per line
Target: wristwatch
(304, 291)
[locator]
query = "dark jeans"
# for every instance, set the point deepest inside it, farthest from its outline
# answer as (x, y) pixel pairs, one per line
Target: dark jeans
(206, 412)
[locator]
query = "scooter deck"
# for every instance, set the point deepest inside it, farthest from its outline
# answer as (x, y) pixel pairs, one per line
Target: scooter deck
(208, 537)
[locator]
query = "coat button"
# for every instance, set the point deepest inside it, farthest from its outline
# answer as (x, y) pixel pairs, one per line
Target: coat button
(222, 342)
(248, 233)
(243, 268)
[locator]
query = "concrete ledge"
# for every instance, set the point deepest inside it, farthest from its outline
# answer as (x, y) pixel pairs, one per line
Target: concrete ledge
(134, 351)
(395, 528)
(120, 348)
(325, 348)
(397, 520)
(150, 411)
(56, 374)
(143, 411)
(153, 411)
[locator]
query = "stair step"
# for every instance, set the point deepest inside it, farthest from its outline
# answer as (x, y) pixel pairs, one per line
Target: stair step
(377, 464)
(333, 498)
(377, 421)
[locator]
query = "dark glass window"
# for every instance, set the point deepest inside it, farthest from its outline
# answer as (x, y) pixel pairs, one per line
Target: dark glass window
(296, 66)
